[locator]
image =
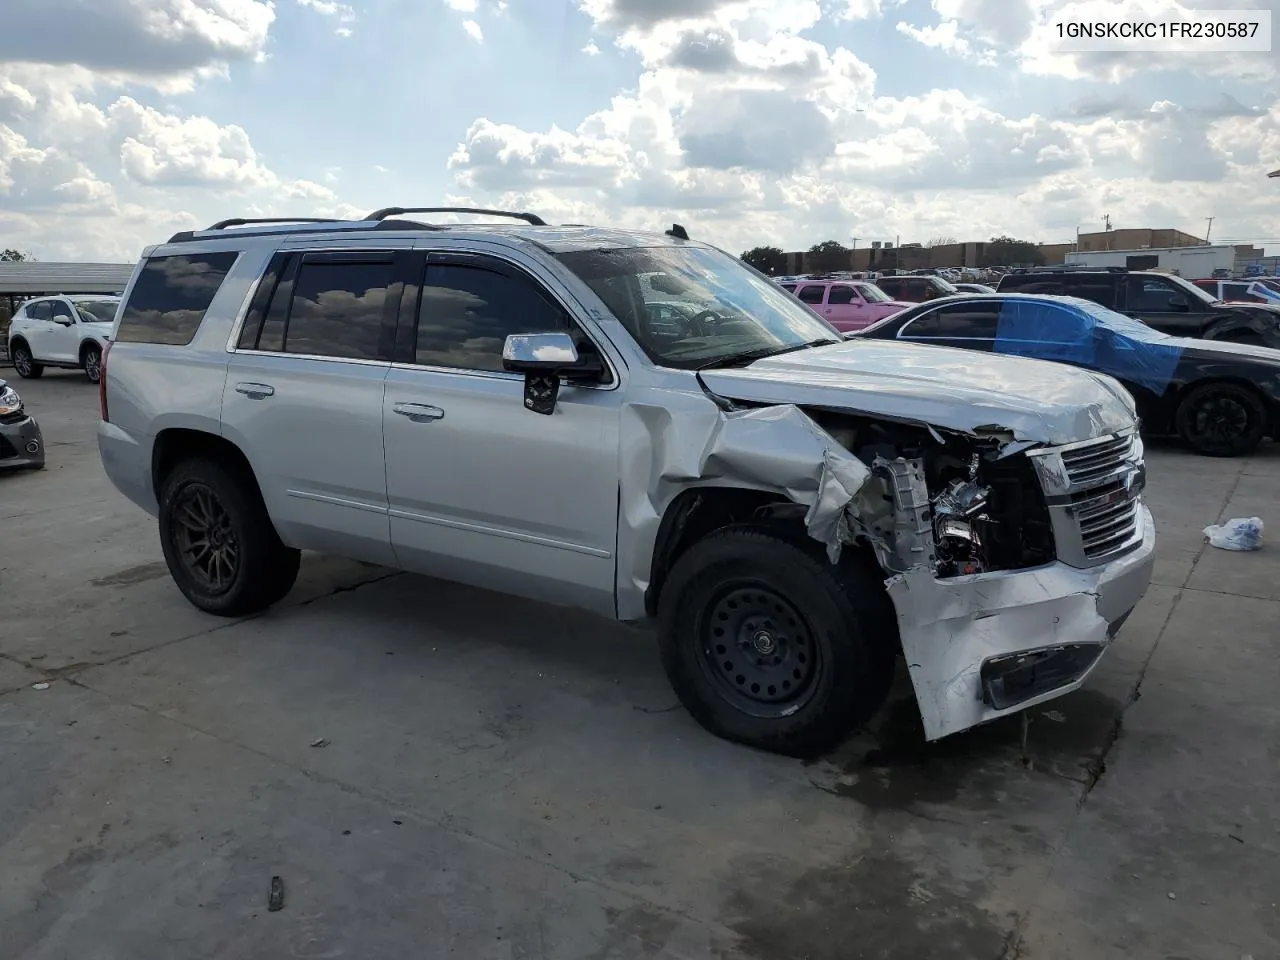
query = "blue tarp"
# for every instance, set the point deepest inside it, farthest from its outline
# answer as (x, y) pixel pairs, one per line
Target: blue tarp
(1085, 334)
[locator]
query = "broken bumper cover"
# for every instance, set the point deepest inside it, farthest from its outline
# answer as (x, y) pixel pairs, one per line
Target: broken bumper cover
(983, 646)
(21, 444)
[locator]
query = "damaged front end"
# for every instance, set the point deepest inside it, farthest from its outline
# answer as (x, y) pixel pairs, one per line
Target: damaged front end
(1010, 560)
(1010, 566)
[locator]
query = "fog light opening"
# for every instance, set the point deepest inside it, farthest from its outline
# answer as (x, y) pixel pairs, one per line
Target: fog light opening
(33, 446)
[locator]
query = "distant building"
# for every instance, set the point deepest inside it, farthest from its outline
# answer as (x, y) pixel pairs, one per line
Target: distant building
(1136, 239)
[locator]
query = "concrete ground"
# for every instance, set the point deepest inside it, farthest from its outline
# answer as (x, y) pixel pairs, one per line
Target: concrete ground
(436, 771)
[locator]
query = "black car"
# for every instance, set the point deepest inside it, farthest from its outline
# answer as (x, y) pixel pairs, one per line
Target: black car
(1221, 398)
(1160, 300)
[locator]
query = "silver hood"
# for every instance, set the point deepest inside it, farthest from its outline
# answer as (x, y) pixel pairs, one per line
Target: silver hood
(978, 393)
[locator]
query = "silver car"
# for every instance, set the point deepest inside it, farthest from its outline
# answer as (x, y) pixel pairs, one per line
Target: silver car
(498, 405)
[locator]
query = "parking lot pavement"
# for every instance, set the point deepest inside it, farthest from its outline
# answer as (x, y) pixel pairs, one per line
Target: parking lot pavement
(435, 770)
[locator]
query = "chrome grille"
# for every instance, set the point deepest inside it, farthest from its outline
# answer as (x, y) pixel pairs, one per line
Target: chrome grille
(1093, 490)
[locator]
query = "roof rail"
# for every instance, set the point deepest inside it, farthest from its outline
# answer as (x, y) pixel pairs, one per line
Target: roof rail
(530, 218)
(243, 221)
(1077, 268)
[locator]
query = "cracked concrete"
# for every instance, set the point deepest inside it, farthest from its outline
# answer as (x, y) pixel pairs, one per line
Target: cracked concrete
(501, 779)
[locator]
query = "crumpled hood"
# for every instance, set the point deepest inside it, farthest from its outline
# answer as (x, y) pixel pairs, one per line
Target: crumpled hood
(962, 390)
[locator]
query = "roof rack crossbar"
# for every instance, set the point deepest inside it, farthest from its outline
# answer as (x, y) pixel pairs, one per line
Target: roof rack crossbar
(530, 218)
(243, 221)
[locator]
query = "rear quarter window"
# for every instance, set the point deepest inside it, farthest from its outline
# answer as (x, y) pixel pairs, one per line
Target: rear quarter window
(170, 297)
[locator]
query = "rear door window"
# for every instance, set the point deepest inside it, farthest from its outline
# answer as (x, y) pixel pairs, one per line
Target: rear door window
(170, 297)
(337, 305)
(1099, 289)
(41, 310)
(812, 293)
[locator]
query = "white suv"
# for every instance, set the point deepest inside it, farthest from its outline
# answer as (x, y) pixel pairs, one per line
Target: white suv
(69, 332)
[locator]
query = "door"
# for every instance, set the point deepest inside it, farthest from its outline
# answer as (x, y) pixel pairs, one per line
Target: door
(63, 344)
(845, 309)
(480, 489)
(39, 329)
(303, 397)
(1162, 304)
(814, 294)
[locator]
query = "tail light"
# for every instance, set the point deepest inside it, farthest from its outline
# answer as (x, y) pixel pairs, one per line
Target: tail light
(102, 381)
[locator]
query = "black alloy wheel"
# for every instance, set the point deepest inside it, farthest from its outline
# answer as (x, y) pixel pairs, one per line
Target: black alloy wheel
(206, 541)
(1222, 420)
(25, 363)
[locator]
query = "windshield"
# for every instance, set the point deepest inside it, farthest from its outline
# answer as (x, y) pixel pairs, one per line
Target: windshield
(721, 308)
(873, 294)
(96, 311)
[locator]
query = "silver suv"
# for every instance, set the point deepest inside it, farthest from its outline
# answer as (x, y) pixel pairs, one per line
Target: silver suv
(501, 406)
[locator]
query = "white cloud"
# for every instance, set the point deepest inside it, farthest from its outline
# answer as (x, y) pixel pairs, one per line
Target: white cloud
(462, 6)
(591, 50)
(473, 30)
(143, 39)
(341, 12)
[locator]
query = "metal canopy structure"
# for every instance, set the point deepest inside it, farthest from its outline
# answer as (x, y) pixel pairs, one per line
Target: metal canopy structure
(27, 279)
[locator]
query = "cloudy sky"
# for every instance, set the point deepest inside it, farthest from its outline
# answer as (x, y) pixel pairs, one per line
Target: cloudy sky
(750, 121)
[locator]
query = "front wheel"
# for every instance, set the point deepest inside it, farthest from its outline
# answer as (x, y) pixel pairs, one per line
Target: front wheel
(92, 363)
(1222, 420)
(219, 543)
(766, 643)
(25, 363)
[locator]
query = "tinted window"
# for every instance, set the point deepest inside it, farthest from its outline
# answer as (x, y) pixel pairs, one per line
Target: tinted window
(956, 320)
(170, 297)
(788, 286)
(1100, 290)
(811, 294)
(61, 311)
(890, 286)
(468, 312)
(336, 309)
(1150, 294)
(39, 311)
(841, 294)
(1238, 291)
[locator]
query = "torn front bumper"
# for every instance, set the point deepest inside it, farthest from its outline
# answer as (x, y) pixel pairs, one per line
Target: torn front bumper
(983, 646)
(21, 444)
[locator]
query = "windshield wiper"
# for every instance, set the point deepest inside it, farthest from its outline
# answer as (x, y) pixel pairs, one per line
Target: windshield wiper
(750, 356)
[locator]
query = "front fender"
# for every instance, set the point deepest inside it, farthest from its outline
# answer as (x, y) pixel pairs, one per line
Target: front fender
(1265, 326)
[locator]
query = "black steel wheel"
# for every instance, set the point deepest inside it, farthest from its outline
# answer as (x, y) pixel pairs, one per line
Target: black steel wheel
(759, 649)
(218, 540)
(767, 643)
(93, 363)
(1222, 420)
(25, 363)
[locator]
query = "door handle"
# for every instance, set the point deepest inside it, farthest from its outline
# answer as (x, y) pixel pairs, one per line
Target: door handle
(256, 391)
(419, 412)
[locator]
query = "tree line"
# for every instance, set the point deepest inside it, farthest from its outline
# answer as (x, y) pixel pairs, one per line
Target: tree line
(832, 255)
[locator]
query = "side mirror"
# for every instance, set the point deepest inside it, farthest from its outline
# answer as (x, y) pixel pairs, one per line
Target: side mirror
(65, 321)
(1178, 302)
(545, 359)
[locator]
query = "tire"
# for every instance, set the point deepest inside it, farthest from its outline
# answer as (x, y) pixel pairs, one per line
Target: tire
(258, 569)
(91, 361)
(831, 627)
(25, 363)
(1222, 420)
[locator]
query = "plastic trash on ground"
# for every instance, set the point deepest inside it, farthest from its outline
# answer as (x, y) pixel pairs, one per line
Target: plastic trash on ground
(1240, 533)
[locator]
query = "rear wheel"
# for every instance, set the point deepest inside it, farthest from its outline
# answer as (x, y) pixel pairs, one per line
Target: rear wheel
(92, 362)
(768, 644)
(1222, 420)
(219, 543)
(25, 363)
